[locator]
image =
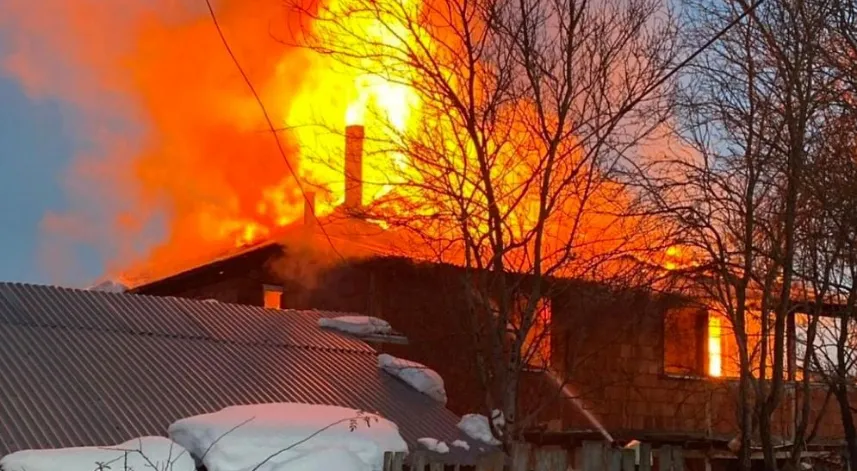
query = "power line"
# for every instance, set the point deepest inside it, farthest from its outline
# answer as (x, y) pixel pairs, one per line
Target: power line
(270, 123)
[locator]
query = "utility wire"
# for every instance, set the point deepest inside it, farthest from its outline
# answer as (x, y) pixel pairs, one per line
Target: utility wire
(271, 126)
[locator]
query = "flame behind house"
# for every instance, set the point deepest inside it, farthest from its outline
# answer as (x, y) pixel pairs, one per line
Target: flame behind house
(202, 161)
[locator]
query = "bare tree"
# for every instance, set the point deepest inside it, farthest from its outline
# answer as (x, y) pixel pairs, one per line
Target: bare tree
(525, 114)
(836, 358)
(750, 109)
(828, 264)
(821, 251)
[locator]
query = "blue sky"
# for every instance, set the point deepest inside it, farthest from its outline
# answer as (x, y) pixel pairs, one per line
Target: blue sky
(36, 147)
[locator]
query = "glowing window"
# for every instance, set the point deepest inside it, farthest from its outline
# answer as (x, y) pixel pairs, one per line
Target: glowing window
(536, 350)
(273, 296)
(715, 349)
(537, 345)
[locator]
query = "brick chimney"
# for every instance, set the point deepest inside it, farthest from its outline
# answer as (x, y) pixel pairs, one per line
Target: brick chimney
(309, 209)
(354, 135)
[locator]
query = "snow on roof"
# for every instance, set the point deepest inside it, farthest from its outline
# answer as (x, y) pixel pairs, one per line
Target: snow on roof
(280, 435)
(418, 376)
(139, 453)
(433, 444)
(358, 325)
(334, 459)
(461, 444)
(476, 426)
(109, 286)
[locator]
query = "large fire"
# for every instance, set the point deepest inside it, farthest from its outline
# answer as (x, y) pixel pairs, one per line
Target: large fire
(317, 129)
(193, 154)
(201, 161)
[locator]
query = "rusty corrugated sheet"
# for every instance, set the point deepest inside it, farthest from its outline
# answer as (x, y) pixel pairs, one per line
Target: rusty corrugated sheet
(84, 368)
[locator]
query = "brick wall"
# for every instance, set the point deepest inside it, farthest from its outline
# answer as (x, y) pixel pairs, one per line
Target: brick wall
(420, 301)
(620, 375)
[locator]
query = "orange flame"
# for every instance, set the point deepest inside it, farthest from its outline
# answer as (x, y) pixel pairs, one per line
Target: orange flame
(195, 156)
(205, 162)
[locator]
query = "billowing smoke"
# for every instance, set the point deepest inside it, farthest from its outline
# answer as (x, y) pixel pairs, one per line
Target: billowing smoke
(173, 136)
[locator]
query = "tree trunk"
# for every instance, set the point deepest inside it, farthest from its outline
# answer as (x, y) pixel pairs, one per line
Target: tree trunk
(510, 411)
(847, 424)
(744, 456)
(766, 437)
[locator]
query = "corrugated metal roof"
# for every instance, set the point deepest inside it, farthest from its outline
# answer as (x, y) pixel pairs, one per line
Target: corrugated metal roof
(78, 368)
(48, 306)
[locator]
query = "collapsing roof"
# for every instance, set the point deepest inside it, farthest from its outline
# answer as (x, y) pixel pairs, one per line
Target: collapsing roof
(82, 368)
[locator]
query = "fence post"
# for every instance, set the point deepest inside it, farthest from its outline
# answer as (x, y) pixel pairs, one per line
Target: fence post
(678, 458)
(418, 461)
(493, 462)
(521, 457)
(398, 462)
(665, 458)
(614, 459)
(559, 460)
(629, 458)
(645, 457)
(593, 456)
(551, 459)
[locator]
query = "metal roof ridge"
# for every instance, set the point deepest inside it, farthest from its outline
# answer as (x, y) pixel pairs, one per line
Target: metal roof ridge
(180, 309)
(198, 338)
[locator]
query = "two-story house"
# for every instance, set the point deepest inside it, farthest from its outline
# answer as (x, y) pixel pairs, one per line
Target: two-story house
(637, 363)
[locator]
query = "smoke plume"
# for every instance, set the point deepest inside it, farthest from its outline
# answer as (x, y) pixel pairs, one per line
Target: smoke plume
(174, 140)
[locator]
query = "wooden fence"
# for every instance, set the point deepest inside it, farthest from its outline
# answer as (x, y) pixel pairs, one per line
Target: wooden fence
(592, 456)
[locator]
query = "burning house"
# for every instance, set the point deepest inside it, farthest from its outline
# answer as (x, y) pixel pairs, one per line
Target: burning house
(623, 364)
(619, 363)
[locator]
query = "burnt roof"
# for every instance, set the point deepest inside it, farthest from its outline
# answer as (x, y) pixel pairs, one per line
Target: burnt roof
(335, 234)
(82, 368)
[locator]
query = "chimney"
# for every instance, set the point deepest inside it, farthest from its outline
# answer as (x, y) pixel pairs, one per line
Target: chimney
(309, 209)
(353, 166)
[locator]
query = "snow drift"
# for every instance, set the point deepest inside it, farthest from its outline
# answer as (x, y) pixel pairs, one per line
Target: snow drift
(420, 377)
(357, 325)
(140, 453)
(288, 436)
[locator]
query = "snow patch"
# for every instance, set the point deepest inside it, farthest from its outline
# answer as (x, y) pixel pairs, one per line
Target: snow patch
(109, 286)
(461, 444)
(334, 459)
(476, 426)
(240, 438)
(420, 377)
(433, 444)
(357, 325)
(139, 453)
